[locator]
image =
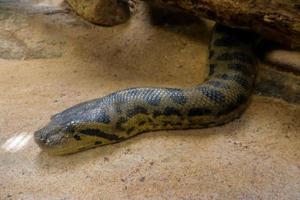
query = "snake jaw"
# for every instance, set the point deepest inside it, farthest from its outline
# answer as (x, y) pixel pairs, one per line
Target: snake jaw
(50, 136)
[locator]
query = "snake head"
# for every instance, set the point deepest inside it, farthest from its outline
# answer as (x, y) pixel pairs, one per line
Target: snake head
(61, 139)
(53, 137)
(75, 129)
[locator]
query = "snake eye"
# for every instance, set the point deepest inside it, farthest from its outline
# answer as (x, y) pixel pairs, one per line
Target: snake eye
(70, 128)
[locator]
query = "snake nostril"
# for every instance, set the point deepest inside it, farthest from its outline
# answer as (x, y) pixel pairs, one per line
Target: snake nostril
(39, 137)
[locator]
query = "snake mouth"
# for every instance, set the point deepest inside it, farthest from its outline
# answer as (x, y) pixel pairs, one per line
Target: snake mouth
(50, 137)
(54, 139)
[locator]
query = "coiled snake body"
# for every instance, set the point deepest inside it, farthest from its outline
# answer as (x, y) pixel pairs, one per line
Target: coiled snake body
(123, 114)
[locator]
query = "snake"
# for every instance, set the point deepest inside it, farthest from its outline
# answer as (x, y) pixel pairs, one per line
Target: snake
(219, 99)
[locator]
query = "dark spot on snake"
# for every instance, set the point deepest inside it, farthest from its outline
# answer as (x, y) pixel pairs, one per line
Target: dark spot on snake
(130, 130)
(70, 128)
(103, 118)
(241, 99)
(137, 110)
(117, 108)
(77, 137)
(240, 56)
(119, 123)
(239, 67)
(241, 81)
(150, 120)
(98, 142)
(156, 113)
(211, 54)
(225, 77)
(154, 100)
(98, 133)
(227, 41)
(199, 112)
(212, 68)
(152, 97)
(238, 79)
(171, 111)
(141, 123)
(177, 95)
(212, 94)
(218, 84)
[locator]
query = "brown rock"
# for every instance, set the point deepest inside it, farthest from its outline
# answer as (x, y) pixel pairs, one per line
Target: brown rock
(103, 12)
(277, 20)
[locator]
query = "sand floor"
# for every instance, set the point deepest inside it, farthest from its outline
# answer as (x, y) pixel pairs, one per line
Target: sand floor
(51, 59)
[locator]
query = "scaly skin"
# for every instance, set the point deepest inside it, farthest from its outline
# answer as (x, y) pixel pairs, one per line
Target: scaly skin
(123, 114)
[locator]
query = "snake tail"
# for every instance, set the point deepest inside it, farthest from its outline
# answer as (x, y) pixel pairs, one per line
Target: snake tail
(222, 97)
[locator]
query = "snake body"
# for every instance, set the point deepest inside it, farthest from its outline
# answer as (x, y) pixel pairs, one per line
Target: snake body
(126, 113)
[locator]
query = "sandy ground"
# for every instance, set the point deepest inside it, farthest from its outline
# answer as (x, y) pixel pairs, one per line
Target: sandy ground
(51, 59)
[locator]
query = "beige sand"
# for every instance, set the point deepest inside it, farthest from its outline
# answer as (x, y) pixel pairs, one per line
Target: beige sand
(54, 60)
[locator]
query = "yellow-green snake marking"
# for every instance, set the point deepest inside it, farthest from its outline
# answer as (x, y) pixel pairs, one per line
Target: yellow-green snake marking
(123, 114)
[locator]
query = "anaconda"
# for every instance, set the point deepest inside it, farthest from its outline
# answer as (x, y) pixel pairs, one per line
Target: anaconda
(222, 97)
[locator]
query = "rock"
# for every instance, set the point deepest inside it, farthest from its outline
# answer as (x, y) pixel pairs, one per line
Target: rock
(103, 12)
(286, 59)
(277, 20)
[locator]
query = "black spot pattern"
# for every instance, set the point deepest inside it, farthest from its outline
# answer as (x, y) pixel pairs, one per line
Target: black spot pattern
(171, 111)
(240, 56)
(98, 142)
(156, 113)
(119, 123)
(152, 97)
(239, 67)
(177, 95)
(218, 84)
(136, 110)
(117, 108)
(238, 79)
(212, 68)
(199, 112)
(130, 130)
(227, 41)
(98, 133)
(211, 54)
(141, 123)
(77, 137)
(241, 99)
(103, 118)
(212, 94)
